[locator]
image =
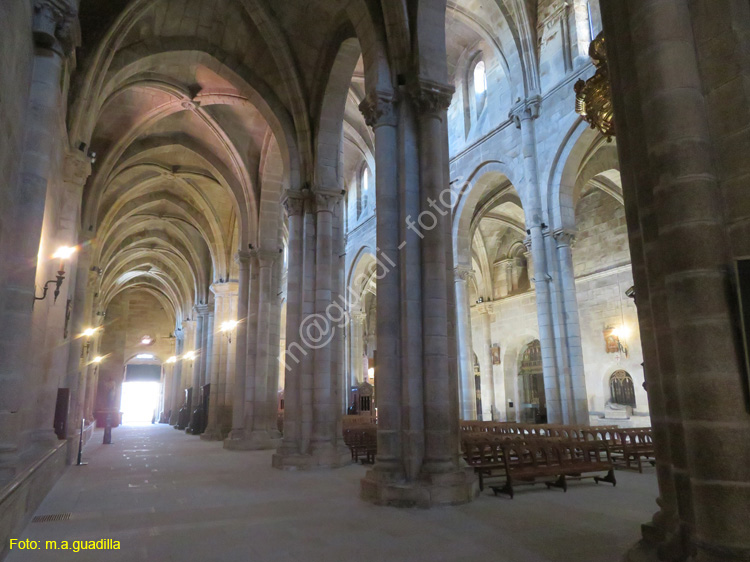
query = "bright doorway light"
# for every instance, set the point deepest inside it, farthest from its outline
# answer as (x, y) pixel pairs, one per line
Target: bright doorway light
(139, 401)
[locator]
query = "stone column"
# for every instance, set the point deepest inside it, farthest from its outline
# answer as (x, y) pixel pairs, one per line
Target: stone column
(525, 115)
(224, 294)
(274, 338)
(661, 98)
(240, 374)
(380, 114)
(465, 349)
(290, 444)
(259, 436)
(440, 443)
(418, 460)
(19, 253)
(578, 398)
(493, 394)
(178, 387)
(358, 347)
(77, 360)
(323, 425)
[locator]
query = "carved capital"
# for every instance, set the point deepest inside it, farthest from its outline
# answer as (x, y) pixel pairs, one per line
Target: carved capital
(379, 108)
(242, 257)
(326, 201)
(430, 98)
(527, 109)
(294, 203)
(201, 309)
(55, 25)
(76, 168)
(564, 237)
(464, 272)
(266, 258)
(527, 243)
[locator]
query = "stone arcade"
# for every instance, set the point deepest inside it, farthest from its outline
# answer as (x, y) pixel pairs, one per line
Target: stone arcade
(302, 214)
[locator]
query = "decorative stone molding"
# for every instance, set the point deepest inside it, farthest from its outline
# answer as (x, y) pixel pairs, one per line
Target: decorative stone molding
(242, 257)
(527, 243)
(431, 98)
(379, 108)
(55, 24)
(201, 309)
(564, 237)
(190, 105)
(76, 168)
(326, 201)
(227, 289)
(526, 109)
(464, 273)
(294, 203)
(266, 258)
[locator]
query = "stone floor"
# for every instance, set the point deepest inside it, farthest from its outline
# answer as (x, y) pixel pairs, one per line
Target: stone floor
(168, 497)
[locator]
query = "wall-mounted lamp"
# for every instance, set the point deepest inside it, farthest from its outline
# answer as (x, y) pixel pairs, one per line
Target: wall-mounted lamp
(147, 340)
(98, 359)
(172, 359)
(63, 253)
(227, 328)
(190, 356)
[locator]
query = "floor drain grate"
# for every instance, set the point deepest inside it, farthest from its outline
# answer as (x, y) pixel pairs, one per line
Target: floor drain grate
(48, 518)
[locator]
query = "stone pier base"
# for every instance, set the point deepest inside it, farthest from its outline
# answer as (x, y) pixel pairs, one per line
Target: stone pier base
(325, 458)
(212, 434)
(433, 490)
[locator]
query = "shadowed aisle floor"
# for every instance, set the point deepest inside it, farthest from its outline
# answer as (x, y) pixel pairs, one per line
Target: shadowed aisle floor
(167, 496)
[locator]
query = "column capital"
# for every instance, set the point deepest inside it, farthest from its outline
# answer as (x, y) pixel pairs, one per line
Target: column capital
(265, 257)
(564, 237)
(226, 289)
(76, 168)
(201, 309)
(326, 201)
(294, 202)
(430, 98)
(525, 110)
(378, 108)
(464, 272)
(527, 243)
(242, 257)
(55, 24)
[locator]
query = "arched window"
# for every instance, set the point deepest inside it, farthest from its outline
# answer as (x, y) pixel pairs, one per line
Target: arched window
(365, 181)
(480, 86)
(621, 389)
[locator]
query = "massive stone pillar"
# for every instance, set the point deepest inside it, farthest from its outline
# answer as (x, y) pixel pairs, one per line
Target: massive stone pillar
(240, 373)
(290, 444)
(466, 349)
(525, 115)
(357, 344)
(21, 238)
(320, 444)
(418, 459)
(677, 138)
(219, 416)
(178, 386)
(569, 329)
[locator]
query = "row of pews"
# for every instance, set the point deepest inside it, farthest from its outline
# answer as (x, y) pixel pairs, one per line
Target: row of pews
(523, 453)
(360, 435)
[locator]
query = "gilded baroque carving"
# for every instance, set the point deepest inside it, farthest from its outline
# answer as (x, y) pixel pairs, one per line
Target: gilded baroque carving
(594, 96)
(378, 108)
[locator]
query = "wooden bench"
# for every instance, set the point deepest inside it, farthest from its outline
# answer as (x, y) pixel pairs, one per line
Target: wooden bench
(362, 441)
(525, 461)
(634, 444)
